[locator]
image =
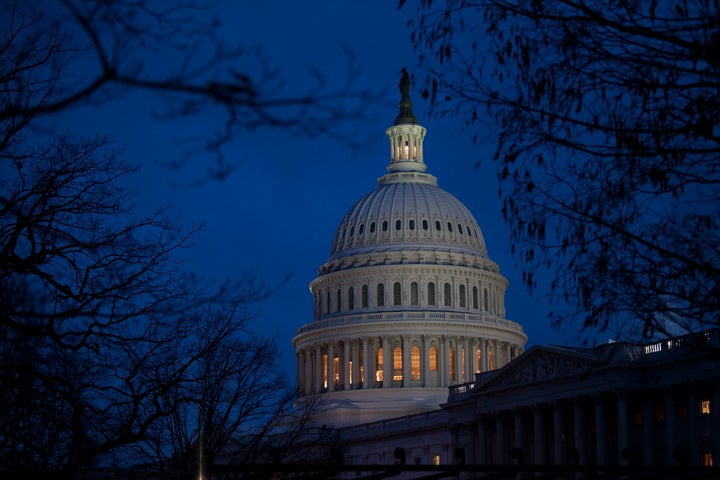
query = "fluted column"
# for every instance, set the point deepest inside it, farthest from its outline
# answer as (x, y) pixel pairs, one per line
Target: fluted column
(356, 380)
(579, 430)
(670, 439)
(318, 369)
(446, 362)
(558, 450)
(483, 354)
(469, 369)
(308, 371)
(496, 346)
(538, 436)
(406, 361)
(500, 440)
(331, 367)
(387, 362)
(425, 361)
(368, 379)
(622, 420)
(519, 434)
(481, 444)
(693, 423)
(346, 364)
(600, 431)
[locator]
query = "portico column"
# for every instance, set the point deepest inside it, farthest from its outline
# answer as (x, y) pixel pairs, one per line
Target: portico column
(538, 435)
(622, 420)
(647, 431)
(368, 365)
(669, 426)
(331, 367)
(405, 361)
(446, 362)
(346, 364)
(579, 430)
(693, 422)
(500, 434)
(308, 371)
(600, 431)
(387, 362)
(356, 380)
(519, 433)
(318, 369)
(558, 451)
(481, 445)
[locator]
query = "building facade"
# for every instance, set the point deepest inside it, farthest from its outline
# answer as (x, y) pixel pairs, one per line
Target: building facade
(408, 303)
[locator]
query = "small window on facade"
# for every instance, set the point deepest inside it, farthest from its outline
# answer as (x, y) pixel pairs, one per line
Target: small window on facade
(707, 459)
(338, 306)
(411, 224)
(432, 358)
(397, 363)
(659, 414)
(325, 370)
(460, 230)
(364, 295)
(425, 224)
(453, 370)
(463, 302)
(397, 292)
(431, 293)
(449, 225)
(436, 460)
(385, 226)
(414, 294)
(475, 298)
(705, 407)
(379, 362)
(372, 227)
(415, 363)
(398, 224)
(380, 295)
(437, 225)
(447, 293)
(351, 298)
(478, 360)
(336, 371)
(361, 229)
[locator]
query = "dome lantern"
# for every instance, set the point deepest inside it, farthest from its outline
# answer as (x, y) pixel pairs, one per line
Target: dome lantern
(406, 135)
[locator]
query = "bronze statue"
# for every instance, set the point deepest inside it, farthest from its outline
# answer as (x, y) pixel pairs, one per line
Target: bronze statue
(404, 84)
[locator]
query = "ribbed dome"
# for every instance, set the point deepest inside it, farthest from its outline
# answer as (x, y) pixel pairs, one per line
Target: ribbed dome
(407, 211)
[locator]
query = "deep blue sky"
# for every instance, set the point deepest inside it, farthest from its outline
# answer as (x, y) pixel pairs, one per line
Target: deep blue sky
(278, 212)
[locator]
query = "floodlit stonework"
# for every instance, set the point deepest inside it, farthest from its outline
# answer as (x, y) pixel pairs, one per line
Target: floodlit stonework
(408, 303)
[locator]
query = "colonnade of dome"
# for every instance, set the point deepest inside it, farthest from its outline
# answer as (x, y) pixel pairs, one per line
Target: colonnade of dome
(408, 302)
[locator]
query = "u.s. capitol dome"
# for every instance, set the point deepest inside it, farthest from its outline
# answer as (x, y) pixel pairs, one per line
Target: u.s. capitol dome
(408, 302)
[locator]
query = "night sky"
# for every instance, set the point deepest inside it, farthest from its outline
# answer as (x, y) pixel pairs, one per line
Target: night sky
(278, 212)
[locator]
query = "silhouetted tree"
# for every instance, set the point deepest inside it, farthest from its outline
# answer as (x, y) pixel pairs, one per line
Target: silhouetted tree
(104, 340)
(607, 121)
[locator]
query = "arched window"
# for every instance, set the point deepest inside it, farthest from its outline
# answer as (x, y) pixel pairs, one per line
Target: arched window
(475, 298)
(398, 224)
(361, 229)
(453, 373)
(385, 226)
(379, 362)
(351, 298)
(397, 363)
(432, 358)
(449, 225)
(411, 224)
(372, 227)
(448, 294)
(437, 225)
(425, 224)
(414, 300)
(415, 363)
(338, 305)
(397, 293)
(364, 296)
(463, 299)
(459, 229)
(478, 360)
(380, 295)
(431, 293)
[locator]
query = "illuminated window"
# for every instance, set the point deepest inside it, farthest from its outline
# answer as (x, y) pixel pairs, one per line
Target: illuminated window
(478, 360)
(364, 296)
(397, 363)
(380, 295)
(436, 460)
(453, 376)
(336, 370)
(414, 300)
(462, 297)
(415, 363)
(462, 363)
(350, 371)
(705, 407)
(491, 360)
(432, 359)
(431, 293)
(325, 370)
(448, 295)
(351, 298)
(475, 298)
(707, 460)
(397, 293)
(379, 363)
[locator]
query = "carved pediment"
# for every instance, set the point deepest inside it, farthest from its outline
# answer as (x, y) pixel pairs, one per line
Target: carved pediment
(541, 364)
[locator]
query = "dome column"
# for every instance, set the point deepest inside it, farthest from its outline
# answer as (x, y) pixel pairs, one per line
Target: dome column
(346, 364)
(406, 362)
(330, 367)
(318, 369)
(425, 361)
(446, 362)
(308, 371)
(367, 363)
(387, 371)
(355, 370)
